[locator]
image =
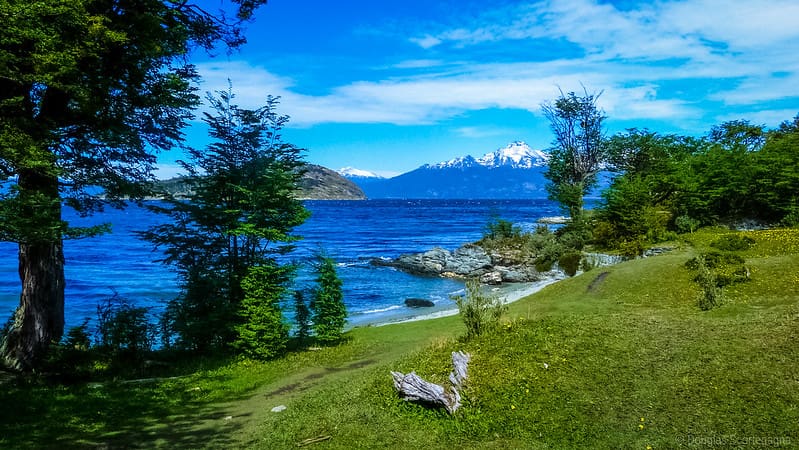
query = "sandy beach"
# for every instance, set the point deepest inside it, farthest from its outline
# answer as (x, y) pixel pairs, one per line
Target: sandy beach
(508, 292)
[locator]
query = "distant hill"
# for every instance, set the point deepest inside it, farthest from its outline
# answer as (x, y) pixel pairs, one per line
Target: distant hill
(318, 183)
(321, 183)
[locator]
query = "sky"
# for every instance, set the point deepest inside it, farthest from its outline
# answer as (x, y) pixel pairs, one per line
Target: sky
(388, 86)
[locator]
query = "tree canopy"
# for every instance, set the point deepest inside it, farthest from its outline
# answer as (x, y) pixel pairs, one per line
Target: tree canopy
(576, 155)
(90, 90)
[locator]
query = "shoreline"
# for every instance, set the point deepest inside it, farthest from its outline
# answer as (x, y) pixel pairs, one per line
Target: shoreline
(508, 292)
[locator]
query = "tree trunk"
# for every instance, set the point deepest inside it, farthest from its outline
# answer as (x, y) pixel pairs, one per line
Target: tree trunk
(39, 319)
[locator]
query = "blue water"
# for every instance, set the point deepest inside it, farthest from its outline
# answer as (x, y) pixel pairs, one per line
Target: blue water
(352, 232)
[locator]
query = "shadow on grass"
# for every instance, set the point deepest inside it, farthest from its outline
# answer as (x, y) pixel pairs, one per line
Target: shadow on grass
(166, 412)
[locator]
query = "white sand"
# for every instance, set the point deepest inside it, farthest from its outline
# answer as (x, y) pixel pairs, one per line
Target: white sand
(509, 293)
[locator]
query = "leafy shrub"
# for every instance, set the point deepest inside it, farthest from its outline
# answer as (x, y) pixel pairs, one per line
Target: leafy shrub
(686, 224)
(715, 260)
(569, 262)
(498, 228)
(714, 270)
(733, 242)
(124, 329)
(711, 291)
(72, 358)
(632, 248)
(479, 311)
(791, 219)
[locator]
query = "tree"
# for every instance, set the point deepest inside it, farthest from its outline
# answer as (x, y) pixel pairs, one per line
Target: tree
(639, 203)
(263, 334)
(329, 312)
(576, 155)
(302, 317)
(89, 91)
(239, 216)
(777, 182)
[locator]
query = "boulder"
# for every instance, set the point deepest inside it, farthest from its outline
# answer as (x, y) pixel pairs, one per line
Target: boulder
(469, 260)
(491, 278)
(418, 303)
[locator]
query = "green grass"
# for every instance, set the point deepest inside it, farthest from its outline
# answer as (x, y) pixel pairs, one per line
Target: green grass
(625, 360)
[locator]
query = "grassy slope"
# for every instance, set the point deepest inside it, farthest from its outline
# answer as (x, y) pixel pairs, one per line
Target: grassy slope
(627, 361)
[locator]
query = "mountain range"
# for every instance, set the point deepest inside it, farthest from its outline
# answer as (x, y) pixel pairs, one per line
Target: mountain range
(514, 171)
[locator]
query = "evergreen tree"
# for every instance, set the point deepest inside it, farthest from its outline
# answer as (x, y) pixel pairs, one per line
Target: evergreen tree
(263, 334)
(329, 312)
(302, 317)
(239, 216)
(89, 90)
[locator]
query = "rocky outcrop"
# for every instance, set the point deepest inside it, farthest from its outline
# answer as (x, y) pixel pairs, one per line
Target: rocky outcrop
(469, 261)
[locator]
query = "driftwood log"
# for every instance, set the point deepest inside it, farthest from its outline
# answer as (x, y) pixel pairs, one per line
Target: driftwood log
(412, 387)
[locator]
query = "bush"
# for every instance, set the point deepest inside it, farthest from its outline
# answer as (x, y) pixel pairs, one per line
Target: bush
(711, 291)
(569, 262)
(733, 243)
(497, 229)
(480, 312)
(123, 329)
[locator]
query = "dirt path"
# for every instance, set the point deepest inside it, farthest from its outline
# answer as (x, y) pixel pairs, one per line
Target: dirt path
(220, 424)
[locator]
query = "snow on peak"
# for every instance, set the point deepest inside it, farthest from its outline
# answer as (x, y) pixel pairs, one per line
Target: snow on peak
(350, 172)
(516, 154)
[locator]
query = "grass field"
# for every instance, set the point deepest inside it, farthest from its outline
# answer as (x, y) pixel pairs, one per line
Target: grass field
(618, 357)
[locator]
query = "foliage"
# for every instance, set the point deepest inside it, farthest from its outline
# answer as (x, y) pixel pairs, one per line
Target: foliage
(686, 224)
(708, 282)
(577, 154)
(327, 304)
(239, 215)
(479, 311)
(564, 342)
(638, 206)
(497, 229)
(733, 242)
(90, 91)
(715, 270)
(262, 333)
(302, 317)
(569, 262)
(123, 329)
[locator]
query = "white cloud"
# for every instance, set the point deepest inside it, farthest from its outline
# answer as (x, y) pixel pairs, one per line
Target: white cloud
(771, 118)
(484, 132)
(726, 50)
(426, 41)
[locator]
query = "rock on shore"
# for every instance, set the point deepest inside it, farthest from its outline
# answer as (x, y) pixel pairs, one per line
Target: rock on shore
(468, 261)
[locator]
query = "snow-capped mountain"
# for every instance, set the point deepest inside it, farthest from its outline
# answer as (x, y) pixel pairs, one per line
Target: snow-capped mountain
(517, 155)
(351, 172)
(513, 171)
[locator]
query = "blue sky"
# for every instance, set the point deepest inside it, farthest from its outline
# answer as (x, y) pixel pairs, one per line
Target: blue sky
(388, 86)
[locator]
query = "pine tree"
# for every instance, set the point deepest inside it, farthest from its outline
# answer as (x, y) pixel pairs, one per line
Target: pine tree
(239, 216)
(263, 334)
(329, 311)
(302, 317)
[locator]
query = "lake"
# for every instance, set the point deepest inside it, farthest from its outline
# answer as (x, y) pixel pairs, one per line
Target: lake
(352, 232)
